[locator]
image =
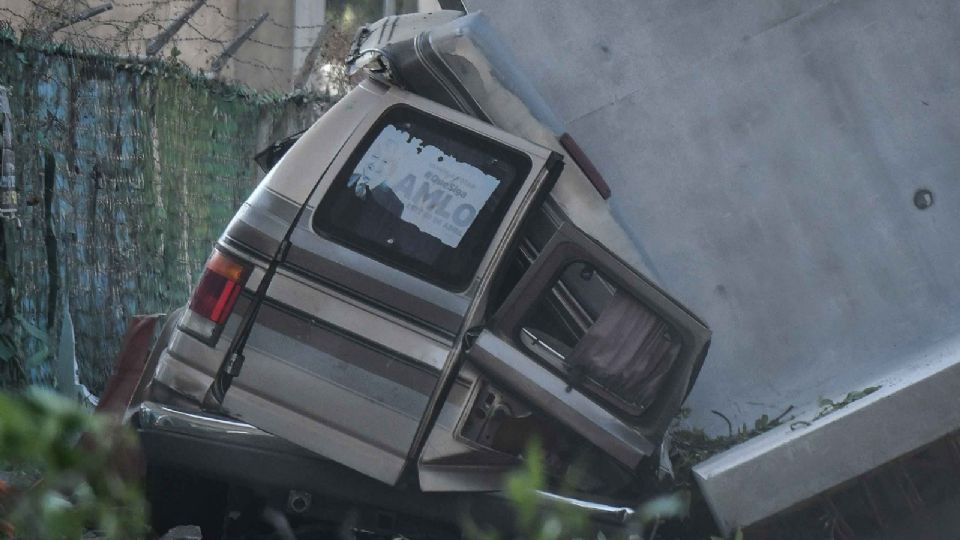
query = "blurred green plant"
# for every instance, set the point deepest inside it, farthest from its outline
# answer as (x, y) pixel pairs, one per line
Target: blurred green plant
(539, 518)
(79, 485)
(736, 536)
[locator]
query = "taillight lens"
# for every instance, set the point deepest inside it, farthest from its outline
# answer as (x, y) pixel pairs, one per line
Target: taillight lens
(215, 295)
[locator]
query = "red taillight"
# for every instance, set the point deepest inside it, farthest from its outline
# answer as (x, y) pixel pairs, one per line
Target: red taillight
(219, 287)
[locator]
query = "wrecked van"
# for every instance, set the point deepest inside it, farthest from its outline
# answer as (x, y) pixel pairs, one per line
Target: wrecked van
(426, 281)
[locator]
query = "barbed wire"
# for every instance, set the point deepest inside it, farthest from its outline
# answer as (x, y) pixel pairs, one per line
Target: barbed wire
(203, 38)
(270, 20)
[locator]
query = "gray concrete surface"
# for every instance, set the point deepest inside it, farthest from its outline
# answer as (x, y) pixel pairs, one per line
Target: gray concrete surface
(765, 156)
(915, 406)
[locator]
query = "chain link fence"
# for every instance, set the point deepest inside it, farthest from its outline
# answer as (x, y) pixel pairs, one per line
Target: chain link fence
(127, 171)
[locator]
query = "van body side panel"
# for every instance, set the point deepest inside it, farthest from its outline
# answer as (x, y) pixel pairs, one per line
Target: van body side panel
(295, 175)
(314, 301)
(362, 401)
(261, 222)
(260, 225)
(188, 365)
(344, 384)
(347, 347)
(396, 292)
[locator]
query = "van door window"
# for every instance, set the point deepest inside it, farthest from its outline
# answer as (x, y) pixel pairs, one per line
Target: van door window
(601, 337)
(423, 195)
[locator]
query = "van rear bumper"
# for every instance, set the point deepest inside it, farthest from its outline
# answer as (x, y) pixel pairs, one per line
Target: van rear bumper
(225, 450)
(235, 453)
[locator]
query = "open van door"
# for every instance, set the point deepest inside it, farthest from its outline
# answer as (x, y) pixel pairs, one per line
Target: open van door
(583, 316)
(338, 345)
(582, 341)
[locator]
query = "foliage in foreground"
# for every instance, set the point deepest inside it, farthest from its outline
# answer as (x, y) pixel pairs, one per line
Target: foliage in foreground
(539, 519)
(78, 483)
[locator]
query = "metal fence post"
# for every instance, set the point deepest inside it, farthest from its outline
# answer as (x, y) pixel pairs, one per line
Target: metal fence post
(236, 43)
(175, 26)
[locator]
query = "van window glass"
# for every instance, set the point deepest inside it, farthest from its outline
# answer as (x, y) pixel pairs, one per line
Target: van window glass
(601, 337)
(423, 195)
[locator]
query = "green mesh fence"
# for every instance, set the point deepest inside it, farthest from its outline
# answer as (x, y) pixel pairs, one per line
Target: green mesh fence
(127, 173)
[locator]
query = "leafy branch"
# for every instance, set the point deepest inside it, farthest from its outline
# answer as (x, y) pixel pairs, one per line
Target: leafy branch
(828, 406)
(75, 457)
(539, 519)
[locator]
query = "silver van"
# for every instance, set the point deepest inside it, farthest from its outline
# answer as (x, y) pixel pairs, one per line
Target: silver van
(426, 281)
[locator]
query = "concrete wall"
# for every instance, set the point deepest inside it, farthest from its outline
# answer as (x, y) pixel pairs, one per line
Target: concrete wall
(765, 155)
(267, 63)
(426, 6)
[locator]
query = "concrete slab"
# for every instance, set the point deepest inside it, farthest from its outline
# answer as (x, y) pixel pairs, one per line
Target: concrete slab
(765, 156)
(765, 475)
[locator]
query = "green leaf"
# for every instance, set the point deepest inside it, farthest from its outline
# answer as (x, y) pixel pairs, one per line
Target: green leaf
(859, 394)
(676, 505)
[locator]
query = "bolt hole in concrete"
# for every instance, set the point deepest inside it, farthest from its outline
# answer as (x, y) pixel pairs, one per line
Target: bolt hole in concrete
(299, 501)
(923, 199)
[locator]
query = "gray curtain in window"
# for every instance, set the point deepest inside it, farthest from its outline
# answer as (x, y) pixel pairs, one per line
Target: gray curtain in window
(628, 350)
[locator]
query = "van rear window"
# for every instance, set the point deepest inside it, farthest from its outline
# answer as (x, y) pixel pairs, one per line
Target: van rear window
(423, 195)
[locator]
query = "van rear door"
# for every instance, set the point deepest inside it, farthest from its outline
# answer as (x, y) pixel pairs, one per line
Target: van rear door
(585, 355)
(377, 277)
(594, 344)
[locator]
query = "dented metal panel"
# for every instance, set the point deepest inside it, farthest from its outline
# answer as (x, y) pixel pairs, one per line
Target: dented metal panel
(345, 352)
